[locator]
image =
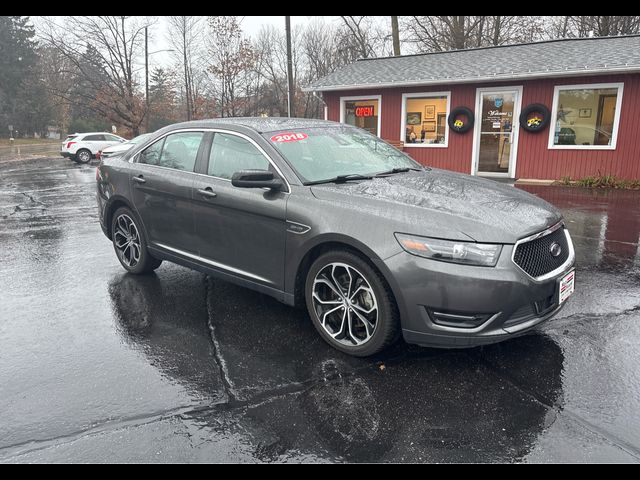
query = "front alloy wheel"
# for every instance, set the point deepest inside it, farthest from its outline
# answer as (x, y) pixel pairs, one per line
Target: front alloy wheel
(345, 304)
(350, 304)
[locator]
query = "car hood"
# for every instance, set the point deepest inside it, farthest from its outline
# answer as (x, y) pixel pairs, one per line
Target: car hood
(445, 204)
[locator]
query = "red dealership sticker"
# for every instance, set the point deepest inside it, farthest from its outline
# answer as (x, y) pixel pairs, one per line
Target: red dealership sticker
(289, 137)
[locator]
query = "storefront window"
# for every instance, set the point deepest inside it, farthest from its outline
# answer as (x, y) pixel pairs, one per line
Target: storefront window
(425, 119)
(362, 113)
(586, 117)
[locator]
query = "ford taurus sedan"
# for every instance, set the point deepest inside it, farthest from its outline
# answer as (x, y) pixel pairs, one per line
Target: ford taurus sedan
(331, 218)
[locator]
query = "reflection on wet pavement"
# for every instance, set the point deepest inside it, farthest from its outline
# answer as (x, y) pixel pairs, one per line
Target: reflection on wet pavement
(99, 365)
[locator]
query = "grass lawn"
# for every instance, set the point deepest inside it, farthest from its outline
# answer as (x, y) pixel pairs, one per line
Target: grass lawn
(4, 142)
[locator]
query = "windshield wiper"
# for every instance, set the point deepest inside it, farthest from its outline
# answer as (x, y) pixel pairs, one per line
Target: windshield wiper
(399, 170)
(341, 179)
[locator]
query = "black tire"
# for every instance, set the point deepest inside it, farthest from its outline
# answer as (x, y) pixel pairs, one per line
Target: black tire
(465, 125)
(144, 263)
(387, 322)
(542, 118)
(83, 156)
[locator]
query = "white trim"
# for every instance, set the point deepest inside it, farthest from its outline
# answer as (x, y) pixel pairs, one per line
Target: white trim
(403, 119)
(515, 130)
(485, 78)
(585, 86)
(326, 112)
(363, 97)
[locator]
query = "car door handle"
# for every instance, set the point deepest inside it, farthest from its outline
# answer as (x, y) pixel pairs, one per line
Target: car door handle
(139, 179)
(207, 192)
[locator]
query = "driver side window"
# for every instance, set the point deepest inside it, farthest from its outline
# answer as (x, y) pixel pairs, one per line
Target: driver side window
(231, 153)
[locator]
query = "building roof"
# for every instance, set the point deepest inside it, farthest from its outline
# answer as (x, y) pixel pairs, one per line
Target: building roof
(553, 58)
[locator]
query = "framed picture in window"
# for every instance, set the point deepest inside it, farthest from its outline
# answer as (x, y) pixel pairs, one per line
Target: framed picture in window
(429, 126)
(584, 113)
(430, 112)
(414, 118)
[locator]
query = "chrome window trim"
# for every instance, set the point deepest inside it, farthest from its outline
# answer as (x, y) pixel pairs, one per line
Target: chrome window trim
(221, 266)
(134, 158)
(544, 233)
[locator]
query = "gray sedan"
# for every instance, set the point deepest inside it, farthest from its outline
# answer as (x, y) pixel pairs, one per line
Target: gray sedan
(332, 218)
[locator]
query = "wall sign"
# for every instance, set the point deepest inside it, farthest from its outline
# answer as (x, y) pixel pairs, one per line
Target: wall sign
(364, 111)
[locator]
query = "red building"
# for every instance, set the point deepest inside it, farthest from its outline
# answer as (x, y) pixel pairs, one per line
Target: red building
(546, 110)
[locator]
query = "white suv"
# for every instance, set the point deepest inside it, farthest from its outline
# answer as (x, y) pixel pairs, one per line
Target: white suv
(82, 147)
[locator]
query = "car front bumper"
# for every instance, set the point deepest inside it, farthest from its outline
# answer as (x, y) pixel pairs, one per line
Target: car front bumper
(456, 306)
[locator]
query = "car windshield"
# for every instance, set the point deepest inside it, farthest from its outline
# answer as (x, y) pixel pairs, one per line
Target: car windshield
(325, 153)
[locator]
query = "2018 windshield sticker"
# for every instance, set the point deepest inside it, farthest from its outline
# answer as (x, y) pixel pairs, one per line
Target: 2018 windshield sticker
(289, 137)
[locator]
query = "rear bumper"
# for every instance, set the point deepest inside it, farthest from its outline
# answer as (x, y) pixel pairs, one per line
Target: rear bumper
(456, 306)
(66, 154)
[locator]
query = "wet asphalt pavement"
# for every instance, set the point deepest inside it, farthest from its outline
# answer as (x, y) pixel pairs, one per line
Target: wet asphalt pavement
(100, 366)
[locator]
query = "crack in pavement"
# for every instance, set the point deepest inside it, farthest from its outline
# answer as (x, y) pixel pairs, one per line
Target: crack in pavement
(578, 318)
(96, 428)
(229, 388)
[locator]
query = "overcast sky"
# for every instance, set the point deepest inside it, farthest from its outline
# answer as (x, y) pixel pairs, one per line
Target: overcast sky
(251, 25)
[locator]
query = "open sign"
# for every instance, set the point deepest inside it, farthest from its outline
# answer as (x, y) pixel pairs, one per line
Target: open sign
(364, 111)
(289, 137)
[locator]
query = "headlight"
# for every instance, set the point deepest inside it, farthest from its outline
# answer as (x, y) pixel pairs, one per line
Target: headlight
(467, 253)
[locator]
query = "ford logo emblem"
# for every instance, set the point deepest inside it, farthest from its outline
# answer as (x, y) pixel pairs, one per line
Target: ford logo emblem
(555, 249)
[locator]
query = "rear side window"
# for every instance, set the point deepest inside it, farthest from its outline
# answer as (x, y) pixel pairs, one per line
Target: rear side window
(94, 138)
(230, 153)
(180, 150)
(177, 151)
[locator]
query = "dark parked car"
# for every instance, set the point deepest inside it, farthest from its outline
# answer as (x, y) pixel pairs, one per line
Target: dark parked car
(329, 216)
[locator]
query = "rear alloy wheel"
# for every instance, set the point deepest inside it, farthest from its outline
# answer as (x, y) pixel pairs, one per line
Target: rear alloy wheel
(130, 244)
(83, 156)
(350, 304)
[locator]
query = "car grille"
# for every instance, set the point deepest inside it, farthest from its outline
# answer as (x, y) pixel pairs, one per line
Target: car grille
(535, 258)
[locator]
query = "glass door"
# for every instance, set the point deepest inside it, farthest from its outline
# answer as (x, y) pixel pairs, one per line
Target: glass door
(496, 132)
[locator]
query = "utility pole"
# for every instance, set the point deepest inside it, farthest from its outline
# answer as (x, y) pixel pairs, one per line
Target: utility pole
(395, 34)
(146, 77)
(290, 89)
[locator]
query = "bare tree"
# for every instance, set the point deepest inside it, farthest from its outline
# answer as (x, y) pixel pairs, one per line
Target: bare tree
(231, 59)
(595, 25)
(362, 37)
(101, 52)
(185, 34)
(440, 33)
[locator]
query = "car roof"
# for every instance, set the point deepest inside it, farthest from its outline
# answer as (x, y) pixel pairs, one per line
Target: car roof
(258, 124)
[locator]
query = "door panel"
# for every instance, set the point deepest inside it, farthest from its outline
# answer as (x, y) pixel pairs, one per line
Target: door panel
(162, 186)
(163, 202)
(239, 230)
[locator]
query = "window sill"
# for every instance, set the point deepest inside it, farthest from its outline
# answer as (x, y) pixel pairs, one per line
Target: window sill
(425, 145)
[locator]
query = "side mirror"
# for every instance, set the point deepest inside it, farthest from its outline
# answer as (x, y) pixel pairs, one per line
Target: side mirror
(256, 179)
